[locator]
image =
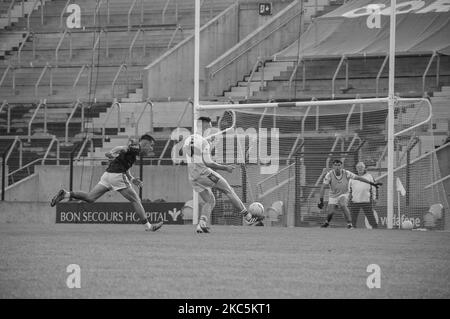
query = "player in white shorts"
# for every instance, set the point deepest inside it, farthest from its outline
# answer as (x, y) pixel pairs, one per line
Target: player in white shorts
(338, 180)
(202, 177)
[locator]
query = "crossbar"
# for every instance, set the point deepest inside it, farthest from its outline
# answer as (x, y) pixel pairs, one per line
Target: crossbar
(294, 104)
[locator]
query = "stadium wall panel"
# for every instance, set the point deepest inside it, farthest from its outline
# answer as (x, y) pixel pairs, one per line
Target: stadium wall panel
(172, 74)
(26, 212)
(169, 183)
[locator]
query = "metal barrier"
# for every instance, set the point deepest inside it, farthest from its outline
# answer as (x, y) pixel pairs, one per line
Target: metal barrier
(97, 9)
(11, 7)
(5, 73)
(130, 48)
(115, 103)
(434, 55)
(41, 102)
(63, 35)
(74, 109)
(4, 171)
(8, 115)
(163, 15)
(19, 52)
(131, 10)
(122, 66)
(54, 140)
(350, 113)
(77, 79)
(377, 80)
(333, 80)
(62, 13)
(294, 74)
(147, 103)
(83, 146)
(259, 62)
(166, 146)
(97, 41)
(173, 35)
(352, 142)
(16, 140)
(413, 140)
(31, 12)
(47, 67)
(5, 157)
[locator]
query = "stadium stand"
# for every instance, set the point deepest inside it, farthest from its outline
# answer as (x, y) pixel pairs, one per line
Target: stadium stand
(42, 59)
(259, 64)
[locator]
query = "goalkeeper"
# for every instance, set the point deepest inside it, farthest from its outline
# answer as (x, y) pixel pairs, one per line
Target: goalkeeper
(338, 180)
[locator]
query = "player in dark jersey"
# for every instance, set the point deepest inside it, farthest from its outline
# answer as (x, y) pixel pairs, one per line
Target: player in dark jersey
(117, 177)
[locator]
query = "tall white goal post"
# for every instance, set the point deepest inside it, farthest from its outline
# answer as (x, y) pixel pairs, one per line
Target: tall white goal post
(412, 114)
(391, 100)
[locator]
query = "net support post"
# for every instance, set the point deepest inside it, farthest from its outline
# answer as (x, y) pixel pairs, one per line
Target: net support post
(297, 204)
(195, 208)
(3, 175)
(141, 175)
(391, 106)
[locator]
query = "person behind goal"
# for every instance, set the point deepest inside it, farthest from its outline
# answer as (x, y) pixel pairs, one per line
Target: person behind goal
(117, 177)
(362, 196)
(338, 180)
(202, 176)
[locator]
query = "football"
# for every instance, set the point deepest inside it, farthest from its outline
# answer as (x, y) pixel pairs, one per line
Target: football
(256, 209)
(407, 224)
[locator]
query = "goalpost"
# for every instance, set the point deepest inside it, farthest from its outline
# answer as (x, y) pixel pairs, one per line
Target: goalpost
(393, 105)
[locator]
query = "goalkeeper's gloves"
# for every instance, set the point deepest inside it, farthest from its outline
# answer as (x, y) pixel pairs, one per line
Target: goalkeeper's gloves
(376, 184)
(320, 205)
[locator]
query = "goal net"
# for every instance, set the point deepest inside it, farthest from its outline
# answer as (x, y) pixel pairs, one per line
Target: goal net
(282, 152)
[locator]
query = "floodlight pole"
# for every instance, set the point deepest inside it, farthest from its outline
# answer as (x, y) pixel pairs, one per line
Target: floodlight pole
(196, 101)
(391, 119)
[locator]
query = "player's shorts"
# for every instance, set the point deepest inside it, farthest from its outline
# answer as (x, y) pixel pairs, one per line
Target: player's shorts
(340, 200)
(114, 181)
(205, 180)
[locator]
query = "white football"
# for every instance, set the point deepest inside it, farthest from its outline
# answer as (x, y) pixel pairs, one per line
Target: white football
(256, 209)
(407, 224)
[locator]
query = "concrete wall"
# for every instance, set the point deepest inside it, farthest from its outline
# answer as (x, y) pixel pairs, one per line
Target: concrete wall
(160, 182)
(172, 74)
(28, 201)
(279, 32)
(26, 212)
(249, 17)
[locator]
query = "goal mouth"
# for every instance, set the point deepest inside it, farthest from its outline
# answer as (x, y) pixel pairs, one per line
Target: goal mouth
(310, 135)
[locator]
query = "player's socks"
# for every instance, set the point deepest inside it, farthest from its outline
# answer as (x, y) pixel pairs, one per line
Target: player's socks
(147, 224)
(202, 226)
(246, 214)
(153, 227)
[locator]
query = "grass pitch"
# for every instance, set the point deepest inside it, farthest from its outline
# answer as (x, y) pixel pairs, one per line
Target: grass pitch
(124, 261)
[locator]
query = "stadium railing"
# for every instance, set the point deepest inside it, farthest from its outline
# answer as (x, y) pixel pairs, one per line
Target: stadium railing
(78, 103)
(41, 103)
(115, 103)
